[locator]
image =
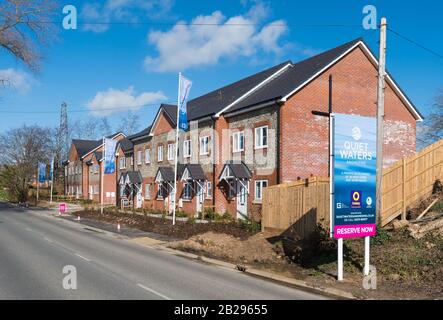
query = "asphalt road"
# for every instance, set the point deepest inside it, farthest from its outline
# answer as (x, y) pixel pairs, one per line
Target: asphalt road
(35, 247)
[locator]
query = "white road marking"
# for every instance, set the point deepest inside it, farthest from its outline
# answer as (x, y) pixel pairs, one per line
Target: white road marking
(153, 291)
(47, 239)
(86, 259)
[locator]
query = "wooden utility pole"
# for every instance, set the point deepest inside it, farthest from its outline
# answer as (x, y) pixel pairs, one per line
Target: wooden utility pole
(381, 111)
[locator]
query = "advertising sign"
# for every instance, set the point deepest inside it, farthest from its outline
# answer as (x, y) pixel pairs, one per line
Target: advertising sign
(354, 176)
(62, 207)
(109, 157)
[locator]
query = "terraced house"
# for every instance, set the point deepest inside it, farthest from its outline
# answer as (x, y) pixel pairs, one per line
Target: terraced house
(266, 129)
(83, 171)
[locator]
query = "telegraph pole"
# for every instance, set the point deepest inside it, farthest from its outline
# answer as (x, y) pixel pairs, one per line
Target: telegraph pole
(380, 110)
(380, 135)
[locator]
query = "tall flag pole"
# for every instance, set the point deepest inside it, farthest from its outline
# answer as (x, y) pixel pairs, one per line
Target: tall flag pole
(184, 86)
(102, 176)
(108, 167)
(52, 178)
(38, 179)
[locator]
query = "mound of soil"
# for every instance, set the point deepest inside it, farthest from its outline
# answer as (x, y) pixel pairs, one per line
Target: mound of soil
(255, 249)
(181, 230)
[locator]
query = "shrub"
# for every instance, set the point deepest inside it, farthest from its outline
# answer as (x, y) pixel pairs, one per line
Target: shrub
(210, 214)
(181, 214)
(382, 236)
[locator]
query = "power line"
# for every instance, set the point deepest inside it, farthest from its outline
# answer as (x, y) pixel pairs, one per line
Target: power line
(277, 25)
(86, 110)
(416, 43)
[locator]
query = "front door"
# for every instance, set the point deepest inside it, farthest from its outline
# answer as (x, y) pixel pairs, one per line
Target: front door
(200, 198)
(139, 196)
(169, 199)
(242, 200)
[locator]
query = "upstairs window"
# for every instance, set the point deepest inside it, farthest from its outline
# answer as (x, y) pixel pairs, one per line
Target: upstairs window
(261, 137)
(148, 156)
(187, 148)
(139, 157)
(238, 143)
(160, 153)
(204, 146)
(171, 155)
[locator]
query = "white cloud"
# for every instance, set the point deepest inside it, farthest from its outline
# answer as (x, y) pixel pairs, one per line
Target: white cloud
(17, 80)
(209, 38)
(98, 14)
(112, 101)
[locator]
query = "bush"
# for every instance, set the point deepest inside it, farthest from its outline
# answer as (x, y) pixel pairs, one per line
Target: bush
(250, 225)
(210, 214)
(382, 236)
(181, 214)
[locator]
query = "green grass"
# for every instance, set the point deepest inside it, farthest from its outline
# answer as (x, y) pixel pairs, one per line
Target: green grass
(3, 195)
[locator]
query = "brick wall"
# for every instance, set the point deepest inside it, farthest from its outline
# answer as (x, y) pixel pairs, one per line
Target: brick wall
(304, 136)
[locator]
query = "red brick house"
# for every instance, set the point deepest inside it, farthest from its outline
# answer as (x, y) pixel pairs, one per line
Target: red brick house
(266, 129)
(83, 171)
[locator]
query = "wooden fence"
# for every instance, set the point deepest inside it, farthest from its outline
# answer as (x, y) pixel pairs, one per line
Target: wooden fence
(300, 205)
(304, 204)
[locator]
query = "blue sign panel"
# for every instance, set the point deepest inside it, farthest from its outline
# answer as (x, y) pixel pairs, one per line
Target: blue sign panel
(41, 172)
(109, 156)
(355, 169)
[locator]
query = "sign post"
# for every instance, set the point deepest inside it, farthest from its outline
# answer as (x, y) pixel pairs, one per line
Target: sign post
(353, 194)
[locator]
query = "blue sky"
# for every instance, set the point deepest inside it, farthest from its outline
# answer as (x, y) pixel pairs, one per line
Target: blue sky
(97, 67)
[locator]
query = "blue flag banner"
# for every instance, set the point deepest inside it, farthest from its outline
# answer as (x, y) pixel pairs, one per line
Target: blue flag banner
(355, 158)
(51, 169)
(41, 172)
(183, 94)
(109, 155)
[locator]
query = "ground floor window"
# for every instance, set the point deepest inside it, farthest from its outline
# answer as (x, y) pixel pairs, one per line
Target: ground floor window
(147, 191)
(160, 191)
(209, 189)
(187, 191)
(259, 185)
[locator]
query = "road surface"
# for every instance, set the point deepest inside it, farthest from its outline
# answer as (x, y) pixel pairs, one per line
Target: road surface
(35, 248)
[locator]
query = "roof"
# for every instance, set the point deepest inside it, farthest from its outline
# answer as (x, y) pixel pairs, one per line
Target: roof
(98, 155)
(237, 170)
(140, 134)
(274, 84)
(293, 77)
(165, 173)
(194, 171)
(85, 146)
(126, 145)
(134, 177)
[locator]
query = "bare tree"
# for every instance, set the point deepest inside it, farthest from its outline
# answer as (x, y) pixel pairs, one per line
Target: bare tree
(25, 26)
(129, 124)
(432, 129)
(20, 151)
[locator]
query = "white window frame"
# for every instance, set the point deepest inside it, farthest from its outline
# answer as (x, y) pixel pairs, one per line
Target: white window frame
(187, 146)
(148, 191)
(209, 189)
(236, 141)
(259, 135)
(139, 157)
(171, 149)
(260, 184)
(123, 162)
(204, 148)
(187, 187)
(148, 155)
(160, 153)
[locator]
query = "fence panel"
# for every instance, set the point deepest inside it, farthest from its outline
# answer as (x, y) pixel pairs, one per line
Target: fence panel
(305, 203)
